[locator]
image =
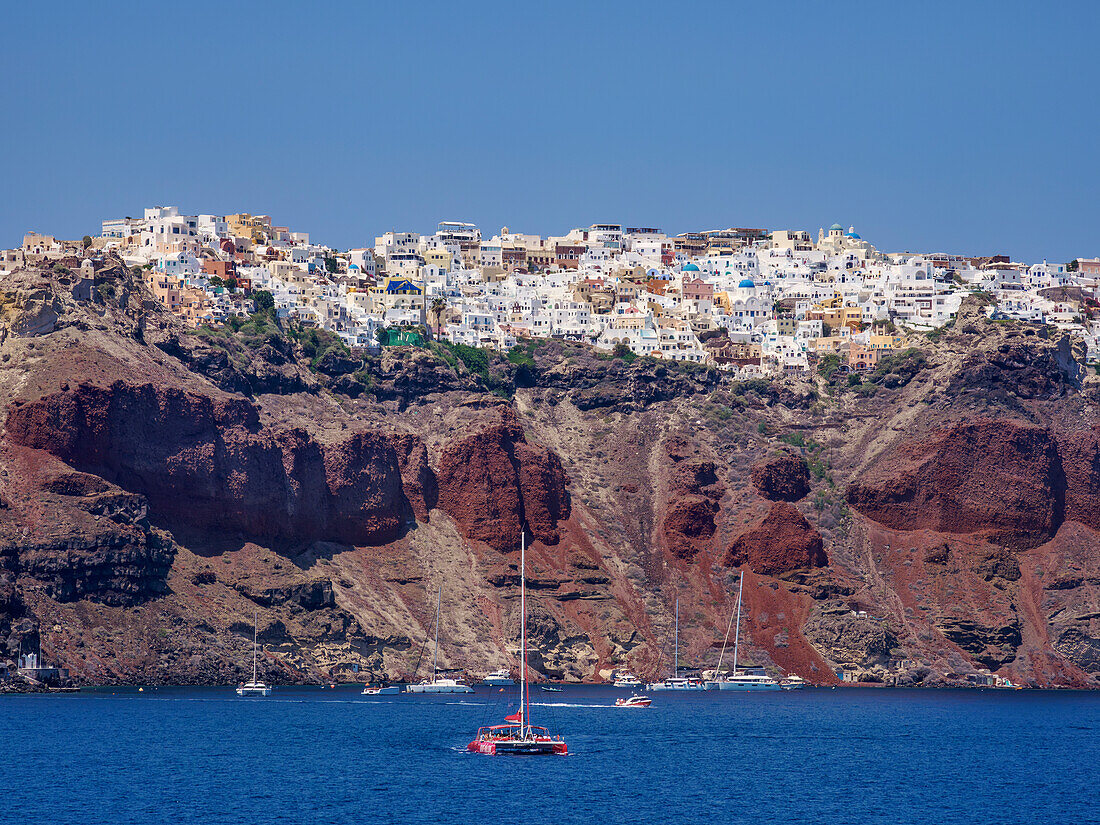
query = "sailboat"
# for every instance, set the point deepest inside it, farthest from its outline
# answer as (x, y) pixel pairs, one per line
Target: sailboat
(519, 736)
(255, 687)
(438, 684)
(676, 681)
(736, 680)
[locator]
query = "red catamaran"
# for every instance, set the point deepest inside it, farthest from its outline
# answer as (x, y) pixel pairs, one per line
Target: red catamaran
(519, 736)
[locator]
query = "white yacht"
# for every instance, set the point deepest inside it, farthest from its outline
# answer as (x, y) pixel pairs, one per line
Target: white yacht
(627, 680)
(738, 680)
(255, 687)
(676, 681)
(381, 690)
(794, 682)
(438, 684)
(743, 681)
(500, 678)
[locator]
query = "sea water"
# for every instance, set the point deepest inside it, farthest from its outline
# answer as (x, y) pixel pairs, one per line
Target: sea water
(856, 755)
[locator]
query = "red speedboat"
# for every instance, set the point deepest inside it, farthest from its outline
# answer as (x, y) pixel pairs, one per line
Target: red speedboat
(519, 736)
(633, 702)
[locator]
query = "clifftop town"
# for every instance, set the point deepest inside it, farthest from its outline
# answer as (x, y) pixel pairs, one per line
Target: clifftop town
(781, 299)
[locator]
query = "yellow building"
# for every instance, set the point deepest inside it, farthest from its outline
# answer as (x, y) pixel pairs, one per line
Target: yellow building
(254, 227)
(438, 257)
(834, 313)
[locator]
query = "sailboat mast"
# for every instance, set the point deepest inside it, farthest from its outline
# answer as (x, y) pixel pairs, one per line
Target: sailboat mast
(435, 655)
(725, 640)
(676, 647)
(737, 632)
(255, 638)
(524, 693)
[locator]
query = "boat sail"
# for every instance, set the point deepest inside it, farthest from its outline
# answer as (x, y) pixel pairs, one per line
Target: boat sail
(736, 680)
(676, 681)
(255, 687)
(519, 736)
(438, 684)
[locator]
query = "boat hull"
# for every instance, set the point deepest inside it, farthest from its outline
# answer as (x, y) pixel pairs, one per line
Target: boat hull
(253, 691)
(674, 687)
(496, 682)
(742, 687)
(438, 689)
(517, 747)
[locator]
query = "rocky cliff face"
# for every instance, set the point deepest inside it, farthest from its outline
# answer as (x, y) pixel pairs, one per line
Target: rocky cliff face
(158, 487)
(206, 463)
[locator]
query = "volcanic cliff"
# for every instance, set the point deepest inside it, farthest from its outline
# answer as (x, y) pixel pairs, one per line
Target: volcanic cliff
(159, 486)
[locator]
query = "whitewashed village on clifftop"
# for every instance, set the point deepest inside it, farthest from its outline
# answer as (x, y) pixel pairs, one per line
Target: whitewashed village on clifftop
(766, 303)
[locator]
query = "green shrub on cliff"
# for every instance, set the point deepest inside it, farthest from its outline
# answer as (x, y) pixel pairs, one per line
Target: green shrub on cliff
(523, 354)
(899, 369)
(828, 365)
(475, 359)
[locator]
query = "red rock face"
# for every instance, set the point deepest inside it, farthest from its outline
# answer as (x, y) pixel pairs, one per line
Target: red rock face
(1080, 454)
(417, 478)
(780, 542)
(542, 484)
(694, 492)
(207, 463)
(689, 525)
(1000, 478)
(781, 477)
(492, 481)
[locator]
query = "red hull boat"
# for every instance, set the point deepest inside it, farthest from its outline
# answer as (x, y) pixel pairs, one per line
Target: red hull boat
(519, 737)
(516, 740)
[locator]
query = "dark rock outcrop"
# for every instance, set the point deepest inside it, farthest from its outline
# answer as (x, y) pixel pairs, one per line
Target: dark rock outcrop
(417, 477)
(1000, 478)
(780, 542)
(493, 481)
(694, 493)
(782, 477)
(990, 646)
(208, 464)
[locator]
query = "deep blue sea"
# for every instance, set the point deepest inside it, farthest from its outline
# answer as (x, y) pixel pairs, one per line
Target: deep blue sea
(309, 755)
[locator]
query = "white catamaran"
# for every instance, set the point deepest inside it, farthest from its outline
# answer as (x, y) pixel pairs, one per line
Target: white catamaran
(438, 684)
(736, 680)
(255, 687)
(676, 681)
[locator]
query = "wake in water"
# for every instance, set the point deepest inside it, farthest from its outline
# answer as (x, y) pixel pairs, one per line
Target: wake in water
(567, 705)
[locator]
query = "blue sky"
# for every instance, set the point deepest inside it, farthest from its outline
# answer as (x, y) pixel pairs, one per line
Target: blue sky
(966, 127)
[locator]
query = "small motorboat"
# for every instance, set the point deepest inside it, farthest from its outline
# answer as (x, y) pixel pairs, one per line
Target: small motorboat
(499, 677)
(550, 688)
(635, 701)
(382, 690)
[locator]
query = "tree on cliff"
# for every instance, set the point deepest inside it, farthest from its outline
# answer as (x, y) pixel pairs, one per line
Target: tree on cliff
(263, 300)
(438, 306)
